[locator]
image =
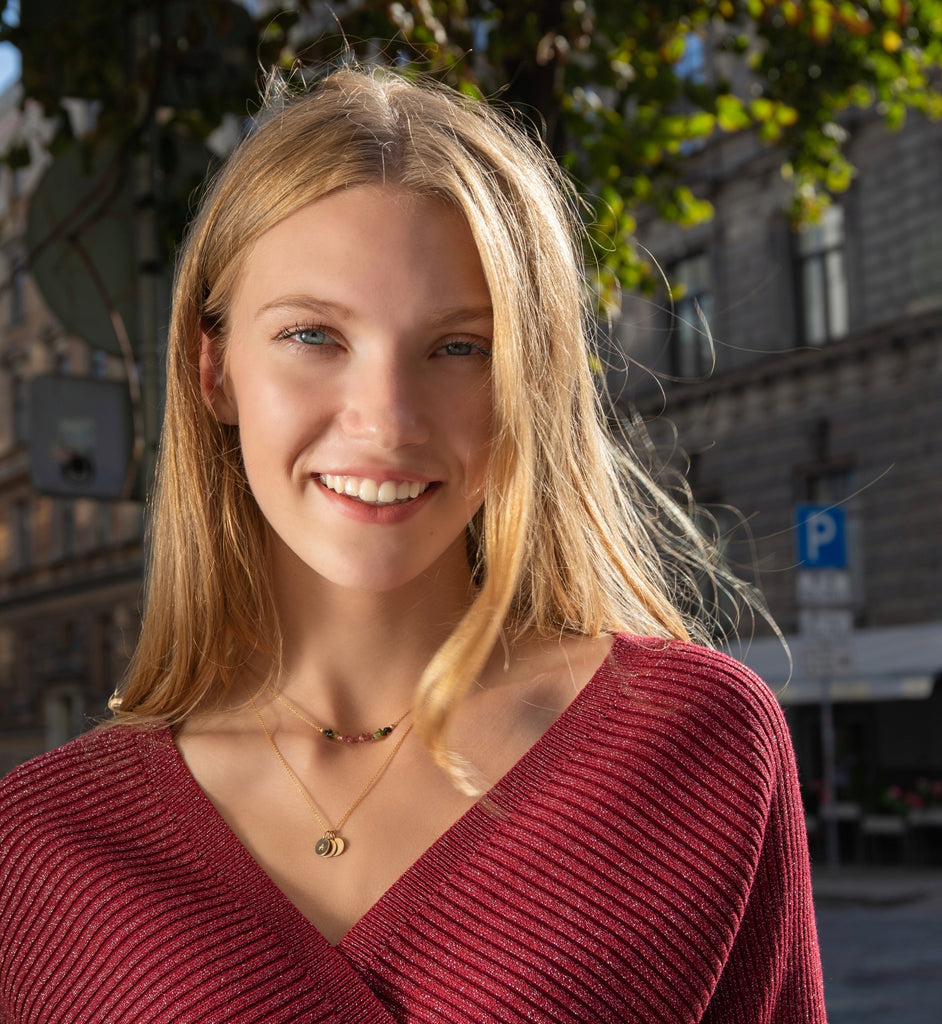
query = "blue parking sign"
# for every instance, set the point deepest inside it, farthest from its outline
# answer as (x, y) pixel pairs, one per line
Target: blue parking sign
(822, 537)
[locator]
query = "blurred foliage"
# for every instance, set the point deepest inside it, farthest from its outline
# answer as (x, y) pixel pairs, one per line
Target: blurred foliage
(626, 95)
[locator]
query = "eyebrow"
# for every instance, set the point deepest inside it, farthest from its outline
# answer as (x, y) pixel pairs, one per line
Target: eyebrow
(294, 303)
(450, 317)
(326, 308)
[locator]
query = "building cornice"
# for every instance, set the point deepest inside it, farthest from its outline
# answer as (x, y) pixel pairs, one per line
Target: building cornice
(93, 586)
(765, 373)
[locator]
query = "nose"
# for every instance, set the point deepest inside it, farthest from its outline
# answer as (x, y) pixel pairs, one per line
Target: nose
(384, 406)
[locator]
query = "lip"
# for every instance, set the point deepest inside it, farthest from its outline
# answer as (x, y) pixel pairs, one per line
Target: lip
(379, 475)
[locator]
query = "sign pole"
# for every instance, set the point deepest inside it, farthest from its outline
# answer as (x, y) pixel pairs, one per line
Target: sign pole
(826, 622)
(829, 781)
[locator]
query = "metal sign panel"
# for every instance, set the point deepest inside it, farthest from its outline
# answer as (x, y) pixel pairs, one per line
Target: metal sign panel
(821, 535)
(80, 437)
(822, 660)
(831, 624)
(823, 588)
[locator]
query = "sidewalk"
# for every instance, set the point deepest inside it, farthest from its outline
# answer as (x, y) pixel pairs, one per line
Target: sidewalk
(880, 930)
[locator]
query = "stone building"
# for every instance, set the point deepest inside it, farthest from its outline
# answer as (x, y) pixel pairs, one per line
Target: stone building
(70, 568)
(822, 384)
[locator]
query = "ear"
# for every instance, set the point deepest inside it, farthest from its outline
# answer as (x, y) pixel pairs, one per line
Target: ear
(212, 382)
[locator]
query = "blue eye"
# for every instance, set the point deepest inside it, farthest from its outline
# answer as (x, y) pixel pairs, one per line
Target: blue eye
(464, 347)
(311, 336)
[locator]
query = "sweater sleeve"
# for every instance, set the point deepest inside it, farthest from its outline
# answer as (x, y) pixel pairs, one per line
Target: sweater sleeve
(773, 972)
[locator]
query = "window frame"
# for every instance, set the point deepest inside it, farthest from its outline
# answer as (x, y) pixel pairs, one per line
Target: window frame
(821, 249)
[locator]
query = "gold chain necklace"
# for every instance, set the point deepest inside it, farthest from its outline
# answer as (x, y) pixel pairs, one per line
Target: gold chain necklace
(332, 844)
(332, 734)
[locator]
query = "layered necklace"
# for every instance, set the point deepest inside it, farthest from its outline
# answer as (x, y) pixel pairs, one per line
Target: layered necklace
(333, 734)
(332, 843)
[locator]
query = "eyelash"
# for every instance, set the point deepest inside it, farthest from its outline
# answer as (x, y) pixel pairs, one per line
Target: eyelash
(290, 335)
(477, 347)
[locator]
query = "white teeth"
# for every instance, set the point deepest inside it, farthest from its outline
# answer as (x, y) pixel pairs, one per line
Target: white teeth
(388, 491)
(369, 491)
(372, 492)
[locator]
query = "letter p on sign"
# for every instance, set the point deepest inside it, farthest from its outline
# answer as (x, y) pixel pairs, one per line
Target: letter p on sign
(821, 535)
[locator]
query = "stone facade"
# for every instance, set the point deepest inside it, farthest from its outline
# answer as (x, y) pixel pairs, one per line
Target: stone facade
(70, 568)
(852, 416)
(862, 413)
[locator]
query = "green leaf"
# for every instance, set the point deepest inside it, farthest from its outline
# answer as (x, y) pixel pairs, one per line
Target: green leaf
(731, 113)
(700, 125)
(839, 176)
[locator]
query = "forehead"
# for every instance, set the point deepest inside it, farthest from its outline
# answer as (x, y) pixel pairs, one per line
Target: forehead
(364, 247)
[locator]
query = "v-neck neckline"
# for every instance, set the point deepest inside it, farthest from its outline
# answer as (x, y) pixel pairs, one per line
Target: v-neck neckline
(461, 842)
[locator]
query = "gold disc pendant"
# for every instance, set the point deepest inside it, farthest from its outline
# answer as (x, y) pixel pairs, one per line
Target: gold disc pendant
(330, 846)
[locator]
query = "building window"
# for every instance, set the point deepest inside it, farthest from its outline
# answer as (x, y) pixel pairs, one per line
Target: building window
(17, 292)
(66, 515)
(20, 409)
(725, 532)
(691, 342)
(65, 713)
(104, 532)
(822, 278)
(22, 553)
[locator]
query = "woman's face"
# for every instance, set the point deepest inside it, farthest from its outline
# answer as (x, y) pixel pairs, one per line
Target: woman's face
(357, 368)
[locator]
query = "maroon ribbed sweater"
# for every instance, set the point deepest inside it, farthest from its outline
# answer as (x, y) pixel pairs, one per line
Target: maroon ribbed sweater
(644, 862)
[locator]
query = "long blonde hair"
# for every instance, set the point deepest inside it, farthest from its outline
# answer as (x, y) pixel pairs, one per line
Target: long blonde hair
(574, 536)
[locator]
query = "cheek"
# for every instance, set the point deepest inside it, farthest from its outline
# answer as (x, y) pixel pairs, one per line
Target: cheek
(476, 440)
(275, 416)
(473, 408)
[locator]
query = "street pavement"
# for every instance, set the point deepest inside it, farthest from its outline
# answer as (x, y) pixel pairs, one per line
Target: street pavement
(880, 931)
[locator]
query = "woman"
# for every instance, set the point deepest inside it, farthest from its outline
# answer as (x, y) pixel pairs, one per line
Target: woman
(397, 567)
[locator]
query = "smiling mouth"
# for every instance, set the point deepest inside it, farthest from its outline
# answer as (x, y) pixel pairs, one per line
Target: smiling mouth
(374, 492)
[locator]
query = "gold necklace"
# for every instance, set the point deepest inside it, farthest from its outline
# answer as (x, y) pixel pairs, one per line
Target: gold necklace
(332, 844)
(332, 734)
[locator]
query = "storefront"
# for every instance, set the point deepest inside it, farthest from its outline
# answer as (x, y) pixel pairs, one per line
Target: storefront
(868, 739)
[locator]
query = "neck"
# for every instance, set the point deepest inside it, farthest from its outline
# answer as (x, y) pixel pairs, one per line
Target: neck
(353, 658)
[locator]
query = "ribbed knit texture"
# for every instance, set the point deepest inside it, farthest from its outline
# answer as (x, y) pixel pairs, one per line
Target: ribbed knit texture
(644, 862)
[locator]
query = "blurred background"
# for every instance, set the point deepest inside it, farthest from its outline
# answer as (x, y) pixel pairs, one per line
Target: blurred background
(762, 183)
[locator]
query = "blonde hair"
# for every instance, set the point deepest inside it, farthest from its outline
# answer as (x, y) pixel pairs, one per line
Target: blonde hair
(574, 536)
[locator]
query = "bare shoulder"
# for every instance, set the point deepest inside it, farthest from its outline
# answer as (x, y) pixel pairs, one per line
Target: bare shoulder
(220, 748)
(560, 665)
(520, 695)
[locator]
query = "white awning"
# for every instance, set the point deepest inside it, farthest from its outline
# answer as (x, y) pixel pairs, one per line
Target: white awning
(889, 663)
